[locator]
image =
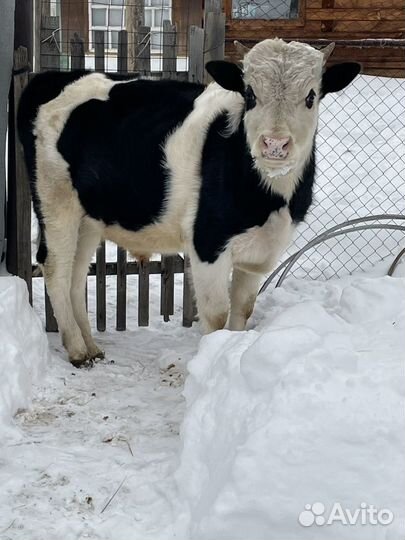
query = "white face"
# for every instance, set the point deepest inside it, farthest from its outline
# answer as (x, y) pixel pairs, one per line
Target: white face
(283, 84)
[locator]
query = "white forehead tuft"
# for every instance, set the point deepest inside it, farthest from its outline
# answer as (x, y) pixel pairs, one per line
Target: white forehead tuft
(291, 62)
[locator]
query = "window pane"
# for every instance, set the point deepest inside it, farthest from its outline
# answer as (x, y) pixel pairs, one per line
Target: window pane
(161, 15)
(264, 9)
(148, 17)
(98, 17)
(101, 2)
(114, 39)
(156, 40)
(117, 2)
(115, 17)
(157, 3)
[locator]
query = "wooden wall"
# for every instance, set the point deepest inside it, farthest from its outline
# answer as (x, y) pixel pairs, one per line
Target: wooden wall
(335, 20)
(186, 13)
(74, 19)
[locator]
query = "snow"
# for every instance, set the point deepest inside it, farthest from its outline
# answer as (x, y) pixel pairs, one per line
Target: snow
(308, 406)
(24, 349)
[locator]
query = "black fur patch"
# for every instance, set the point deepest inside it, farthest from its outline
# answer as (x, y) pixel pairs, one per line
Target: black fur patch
(114, 149)
(232, 198)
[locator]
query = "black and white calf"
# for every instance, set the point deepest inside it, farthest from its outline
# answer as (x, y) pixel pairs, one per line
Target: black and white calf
(222, 172)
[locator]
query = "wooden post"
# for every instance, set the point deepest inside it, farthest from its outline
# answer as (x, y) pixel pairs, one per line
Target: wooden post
(50, 322)
(19, 197)
(50, 44)
(99, 52)
(134, 18)
(76, 52)
(143, 50)
(121, 322)
(196, 55)
(101, 287)
(189, 309)
(167, 287)
(169, 50)
(122, 65)
(143, 293)
(214, 33)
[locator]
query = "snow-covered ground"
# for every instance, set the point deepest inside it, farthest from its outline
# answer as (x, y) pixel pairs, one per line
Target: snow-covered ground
(307, 406)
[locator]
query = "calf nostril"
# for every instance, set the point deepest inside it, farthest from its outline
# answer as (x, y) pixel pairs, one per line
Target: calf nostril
(286, 145)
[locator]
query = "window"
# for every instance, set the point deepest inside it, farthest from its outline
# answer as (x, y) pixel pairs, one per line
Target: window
(157, 11)
(107, 15)
(265, 9)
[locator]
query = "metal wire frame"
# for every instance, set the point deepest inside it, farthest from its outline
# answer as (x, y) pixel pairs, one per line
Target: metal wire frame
(332, 233)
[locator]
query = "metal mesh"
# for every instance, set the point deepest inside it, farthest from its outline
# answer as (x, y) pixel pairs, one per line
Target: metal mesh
(361, 172)
(264, 9)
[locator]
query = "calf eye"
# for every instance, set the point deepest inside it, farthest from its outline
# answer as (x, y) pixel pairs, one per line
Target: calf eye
(309, 100)
(250, 98)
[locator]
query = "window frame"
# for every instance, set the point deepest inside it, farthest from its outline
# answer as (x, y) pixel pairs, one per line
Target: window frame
(249, 28)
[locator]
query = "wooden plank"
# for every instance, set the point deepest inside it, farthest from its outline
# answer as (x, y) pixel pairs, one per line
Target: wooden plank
(50, 322)
(313, 30)
(50, 44)
(122, 65)
(99, 270)
(355, 14)
(134, 18)
(121, 321)
(19, 197)
(76, 52)
(143, 50)
(196, 55)
(99, 50)
(167, 287)
(155, 267)
(214, 38)
(169, 50)
(189, 308)
(143, 293)
(383, 4)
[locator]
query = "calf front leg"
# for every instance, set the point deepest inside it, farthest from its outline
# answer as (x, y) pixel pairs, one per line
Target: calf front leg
(211, 286)
(243, 296)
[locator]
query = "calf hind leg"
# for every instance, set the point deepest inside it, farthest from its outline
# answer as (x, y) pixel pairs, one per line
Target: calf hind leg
(61, 233)
(88, 240)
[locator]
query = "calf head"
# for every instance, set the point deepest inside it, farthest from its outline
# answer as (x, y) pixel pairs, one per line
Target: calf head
(282, 84)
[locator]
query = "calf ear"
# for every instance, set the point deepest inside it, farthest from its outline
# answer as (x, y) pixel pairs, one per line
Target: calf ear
(337, 77)
(227, 75)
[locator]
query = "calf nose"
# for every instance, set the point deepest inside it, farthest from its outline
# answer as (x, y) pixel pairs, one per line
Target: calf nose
(276, 148)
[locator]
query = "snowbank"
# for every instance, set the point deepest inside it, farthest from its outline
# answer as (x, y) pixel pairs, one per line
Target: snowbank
(307, 408)
(23, 348)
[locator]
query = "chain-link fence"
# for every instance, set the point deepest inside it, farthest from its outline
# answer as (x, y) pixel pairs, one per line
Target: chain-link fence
(361, 172)
(264, 9)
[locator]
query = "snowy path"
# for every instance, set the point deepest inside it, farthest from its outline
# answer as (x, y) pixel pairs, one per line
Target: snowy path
(88, 431)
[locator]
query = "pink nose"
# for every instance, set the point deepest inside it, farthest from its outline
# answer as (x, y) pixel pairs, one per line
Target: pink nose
(276, 148)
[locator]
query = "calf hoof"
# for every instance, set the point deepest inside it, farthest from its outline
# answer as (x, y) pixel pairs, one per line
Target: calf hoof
(81, 361)
(95, 352)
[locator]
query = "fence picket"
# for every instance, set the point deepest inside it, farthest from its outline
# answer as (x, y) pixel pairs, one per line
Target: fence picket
(77, 52)
(143, 50)
(101, 288)
(50, 43)
(122, 60)
(99, 52)
(167, 286)
(143, 293)
(50, 322)
(196, 54)
(121, 307)
(189, 309)
(169, 50)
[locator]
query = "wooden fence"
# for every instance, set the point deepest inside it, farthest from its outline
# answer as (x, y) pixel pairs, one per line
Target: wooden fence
(204, 44)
